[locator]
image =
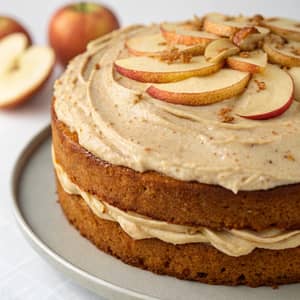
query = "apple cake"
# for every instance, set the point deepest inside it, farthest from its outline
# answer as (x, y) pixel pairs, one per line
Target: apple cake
(176, 148)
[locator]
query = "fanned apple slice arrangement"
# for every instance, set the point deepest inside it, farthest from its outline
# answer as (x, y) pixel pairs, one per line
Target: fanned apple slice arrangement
(255, 60)
(23, 69)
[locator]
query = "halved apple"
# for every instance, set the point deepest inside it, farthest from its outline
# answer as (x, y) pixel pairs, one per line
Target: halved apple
(178, 34)
(27, 74)
(202, 90)
(11, 47)
(284, 54)
(222, 25)
(146, 69)
(287, 28)
(268, 95)
(247, 38)
(295, 73)
(154, 45)
(218, 50)
(253, 61)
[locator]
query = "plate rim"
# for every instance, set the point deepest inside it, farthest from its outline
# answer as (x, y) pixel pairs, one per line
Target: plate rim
(61, 263)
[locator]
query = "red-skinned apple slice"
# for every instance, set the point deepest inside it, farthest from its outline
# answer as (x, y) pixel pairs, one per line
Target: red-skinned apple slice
(146, 69)
(218, 50)
(154, 45)
(287, 28)
(202, 90)
(11, 47)
(222, 25)
(295, 73)
(178, 34)
(268, 95)
(284, 54)
(29, 72)
(253, 61)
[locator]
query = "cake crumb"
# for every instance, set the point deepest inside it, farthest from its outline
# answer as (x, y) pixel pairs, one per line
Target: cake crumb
(225, 116)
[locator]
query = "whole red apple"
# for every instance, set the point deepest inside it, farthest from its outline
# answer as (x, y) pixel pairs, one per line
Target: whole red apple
(9, 25)
(73, 26)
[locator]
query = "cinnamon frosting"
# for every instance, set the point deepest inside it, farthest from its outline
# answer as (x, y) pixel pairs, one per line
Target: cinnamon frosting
(118, 122)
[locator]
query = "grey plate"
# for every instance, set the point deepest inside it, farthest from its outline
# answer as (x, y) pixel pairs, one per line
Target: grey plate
(46, 229)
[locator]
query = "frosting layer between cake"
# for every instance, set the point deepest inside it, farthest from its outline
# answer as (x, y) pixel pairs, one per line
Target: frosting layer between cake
(231, 242)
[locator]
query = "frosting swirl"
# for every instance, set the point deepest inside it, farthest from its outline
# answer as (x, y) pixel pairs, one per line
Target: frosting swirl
(117, 121)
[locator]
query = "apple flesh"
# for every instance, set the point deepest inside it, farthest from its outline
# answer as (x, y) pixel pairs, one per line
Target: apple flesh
(286, 28)
(146, 69)
(253, 61)
(154, 45)
(11, 47)
(268, 95)
(74, 26)
(295, 73)
(178, 34)
(202, 90)
(25, 72)
(218, 50)
(286, 55)
(9, 25)
(219, 24)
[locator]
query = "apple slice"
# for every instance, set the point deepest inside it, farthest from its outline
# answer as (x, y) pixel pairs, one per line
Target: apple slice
(28, 74)
(11, 47)
(154, 45)
(202, 90)
(247, 38)
(178, 34)
(253, 61)
(286, 28)
(218, 50)
(222, 25)
(284, 54)
(295, 73)
(268, 95)
(146, 69)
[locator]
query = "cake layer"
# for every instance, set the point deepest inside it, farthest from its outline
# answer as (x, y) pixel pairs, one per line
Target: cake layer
(231, 242)
(199, 262)
(116, 120)
(163, 198)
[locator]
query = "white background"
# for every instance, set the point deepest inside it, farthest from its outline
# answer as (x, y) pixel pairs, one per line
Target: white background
(24, 275)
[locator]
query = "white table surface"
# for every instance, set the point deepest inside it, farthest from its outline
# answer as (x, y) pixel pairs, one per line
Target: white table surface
(23, 274)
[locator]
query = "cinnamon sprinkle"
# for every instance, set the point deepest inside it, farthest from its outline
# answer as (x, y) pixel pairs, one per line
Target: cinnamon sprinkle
(174, 55)
(289, 156)
(225, 116)
(260, 85)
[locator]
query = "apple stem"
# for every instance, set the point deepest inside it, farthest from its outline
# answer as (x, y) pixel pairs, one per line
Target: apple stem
(85, 7)
(82, 6)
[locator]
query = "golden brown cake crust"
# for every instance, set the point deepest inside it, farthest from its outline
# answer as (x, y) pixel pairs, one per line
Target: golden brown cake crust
(163, 198)
(199, 262)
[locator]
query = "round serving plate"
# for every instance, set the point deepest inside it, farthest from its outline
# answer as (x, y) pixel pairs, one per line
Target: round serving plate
(44, 226)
